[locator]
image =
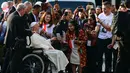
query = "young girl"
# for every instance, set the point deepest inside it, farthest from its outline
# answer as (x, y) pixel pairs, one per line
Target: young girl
(76, 40)
(47, 25)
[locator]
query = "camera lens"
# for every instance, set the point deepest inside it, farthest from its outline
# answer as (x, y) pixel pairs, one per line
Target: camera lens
(66, 13)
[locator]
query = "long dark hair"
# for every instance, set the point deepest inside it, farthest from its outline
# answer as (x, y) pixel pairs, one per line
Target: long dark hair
(42, 19)
(76, 27)
(94, 18)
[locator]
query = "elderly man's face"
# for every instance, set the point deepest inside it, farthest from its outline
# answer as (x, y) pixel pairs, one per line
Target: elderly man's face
(35, 28)
(28, 8)
(22, 12)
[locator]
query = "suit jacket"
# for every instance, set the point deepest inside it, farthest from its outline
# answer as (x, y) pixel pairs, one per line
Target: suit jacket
(27, 19)
(12, 10)
(120, 23)
(15, 29)
(32, 19)
(121, 28)
(2, 16)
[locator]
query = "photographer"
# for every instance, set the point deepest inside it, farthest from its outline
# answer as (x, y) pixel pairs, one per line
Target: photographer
(63, 23)
(60, 31)
(80, 16)
(56, 13)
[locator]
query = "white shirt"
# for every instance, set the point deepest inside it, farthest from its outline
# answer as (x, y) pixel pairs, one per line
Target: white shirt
(48, 30)
(107, 20)
(35, 18)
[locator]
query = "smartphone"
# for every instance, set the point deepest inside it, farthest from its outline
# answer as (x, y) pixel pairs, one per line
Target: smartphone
(80, 6)
(80, 10)
(66, 13)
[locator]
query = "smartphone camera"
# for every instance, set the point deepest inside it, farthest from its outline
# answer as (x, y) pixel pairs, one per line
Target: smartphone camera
(80, 8)
(66, 13)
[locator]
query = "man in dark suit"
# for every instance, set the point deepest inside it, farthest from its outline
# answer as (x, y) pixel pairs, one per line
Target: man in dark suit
(121, 28)
(27, 10)
(34, 15)
(15, 3)
(16, 33)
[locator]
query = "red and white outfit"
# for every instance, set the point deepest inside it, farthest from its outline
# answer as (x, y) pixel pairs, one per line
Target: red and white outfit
(48, 30)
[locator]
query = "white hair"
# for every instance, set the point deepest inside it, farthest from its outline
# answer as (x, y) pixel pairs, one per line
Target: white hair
(26, 3)
(9, 2)
(20, 6)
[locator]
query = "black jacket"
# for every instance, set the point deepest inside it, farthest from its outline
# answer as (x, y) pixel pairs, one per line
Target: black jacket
(32, 19)
(12, 10)
(15, 29)
(121, 28)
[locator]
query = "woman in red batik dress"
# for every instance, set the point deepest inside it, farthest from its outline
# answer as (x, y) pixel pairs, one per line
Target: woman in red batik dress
(76, 40)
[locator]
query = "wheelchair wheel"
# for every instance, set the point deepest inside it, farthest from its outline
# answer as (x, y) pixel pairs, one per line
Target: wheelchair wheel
(32, 63)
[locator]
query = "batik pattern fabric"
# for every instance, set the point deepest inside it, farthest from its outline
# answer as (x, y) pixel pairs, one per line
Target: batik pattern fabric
(81, 45)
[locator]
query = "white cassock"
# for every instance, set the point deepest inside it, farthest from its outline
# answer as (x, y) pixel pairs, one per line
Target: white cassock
(56, 56)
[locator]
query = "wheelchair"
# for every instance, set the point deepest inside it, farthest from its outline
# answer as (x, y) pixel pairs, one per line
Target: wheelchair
(36, 61)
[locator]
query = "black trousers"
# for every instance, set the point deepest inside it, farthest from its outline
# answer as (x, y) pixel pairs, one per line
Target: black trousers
(115, 53)
(102, 49)
(91, 59)
(7, 59)
(123, 62)
(18, 54)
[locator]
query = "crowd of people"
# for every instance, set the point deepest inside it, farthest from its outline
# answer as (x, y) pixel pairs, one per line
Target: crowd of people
(84, 35)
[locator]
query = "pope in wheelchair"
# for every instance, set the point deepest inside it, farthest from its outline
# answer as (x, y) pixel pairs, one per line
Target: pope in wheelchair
(57, 57)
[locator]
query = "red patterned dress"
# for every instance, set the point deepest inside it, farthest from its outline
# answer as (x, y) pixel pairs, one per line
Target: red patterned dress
(80, 44)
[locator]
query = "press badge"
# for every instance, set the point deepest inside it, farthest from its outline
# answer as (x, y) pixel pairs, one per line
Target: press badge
(89, 43)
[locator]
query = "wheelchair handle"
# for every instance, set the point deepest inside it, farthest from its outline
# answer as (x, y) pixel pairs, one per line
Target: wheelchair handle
(29, 41)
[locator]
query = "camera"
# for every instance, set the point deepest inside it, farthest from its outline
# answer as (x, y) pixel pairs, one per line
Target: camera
(80, 8)
(66, 13)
